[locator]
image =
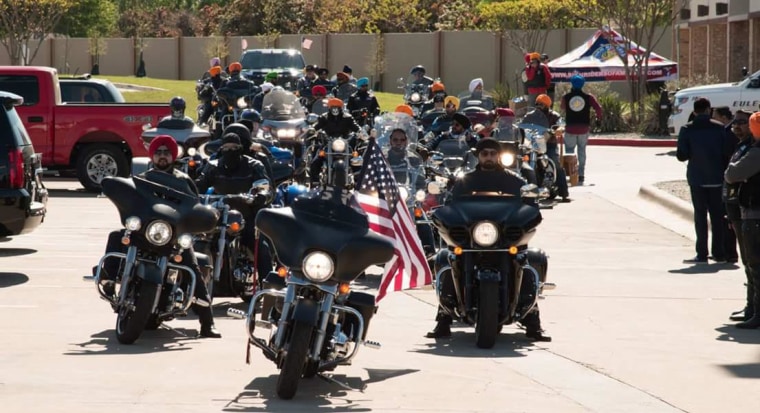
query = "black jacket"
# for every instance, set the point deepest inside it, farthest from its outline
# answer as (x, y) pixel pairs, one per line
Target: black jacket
(360, 100)
(499, 180)
(237, 181)
(703, 143)
(340, 125)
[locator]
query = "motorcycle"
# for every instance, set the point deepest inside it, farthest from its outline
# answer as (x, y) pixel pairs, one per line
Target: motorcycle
(340, 160)
(476, 100)
(190, 138)
(536, 137)
(415, 94)
(284, 121)
(159, 221)
(233, 269)
(229, 105)
(488, 276)
(317, 323)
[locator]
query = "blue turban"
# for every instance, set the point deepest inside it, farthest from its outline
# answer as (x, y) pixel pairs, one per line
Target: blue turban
(362, 82)
(577, 81)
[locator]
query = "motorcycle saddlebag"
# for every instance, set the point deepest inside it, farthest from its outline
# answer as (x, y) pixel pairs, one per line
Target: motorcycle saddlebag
(365, 304)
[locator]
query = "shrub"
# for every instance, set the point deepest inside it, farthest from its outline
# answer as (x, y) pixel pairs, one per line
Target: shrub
(502, 94)
(614, 114)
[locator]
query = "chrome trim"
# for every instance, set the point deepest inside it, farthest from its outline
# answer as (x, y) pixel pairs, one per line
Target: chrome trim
(303, 282)
(324, 318)
(357, 341)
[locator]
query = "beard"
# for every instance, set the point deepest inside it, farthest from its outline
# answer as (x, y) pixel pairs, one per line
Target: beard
(488, 165)
(163, 164)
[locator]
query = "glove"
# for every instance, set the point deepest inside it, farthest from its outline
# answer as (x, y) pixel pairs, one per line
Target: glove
(423, 152)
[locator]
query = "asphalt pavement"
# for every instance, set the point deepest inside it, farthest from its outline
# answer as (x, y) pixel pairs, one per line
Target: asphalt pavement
(634, 329)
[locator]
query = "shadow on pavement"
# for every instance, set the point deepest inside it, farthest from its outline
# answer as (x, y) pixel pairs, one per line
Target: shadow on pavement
(314, 394)
(15, 252)
(730, 333)
(105, 343)
(71, 193)
(744, 371)
(704, 269)
(668, 153)
(9, 279)
(462, 344)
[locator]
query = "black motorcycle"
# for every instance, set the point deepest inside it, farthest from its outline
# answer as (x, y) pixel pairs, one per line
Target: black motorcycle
(317, 323)
(155, 285)
(233, 272)
(341, 162)
(488, 277)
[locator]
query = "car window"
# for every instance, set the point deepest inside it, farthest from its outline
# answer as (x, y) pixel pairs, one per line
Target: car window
(258, 60)
(25, 86)
(11, 122)
(81, 92)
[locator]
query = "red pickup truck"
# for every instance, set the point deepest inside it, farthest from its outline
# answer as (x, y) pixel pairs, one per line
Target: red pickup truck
(94, 140)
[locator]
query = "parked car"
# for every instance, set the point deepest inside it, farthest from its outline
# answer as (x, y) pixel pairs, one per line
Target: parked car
(24, 196)
(740, 95)
(85, 89)
(94, 140)
(288, 63)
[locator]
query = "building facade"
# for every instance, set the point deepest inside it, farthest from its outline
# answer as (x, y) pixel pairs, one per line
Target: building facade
(719, 38)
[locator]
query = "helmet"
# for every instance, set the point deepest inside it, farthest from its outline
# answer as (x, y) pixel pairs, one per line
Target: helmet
(235, 67)
(250, 115)
(333, 102)
(177, 106)
(287, 194)
(418, 68)
(242, 131)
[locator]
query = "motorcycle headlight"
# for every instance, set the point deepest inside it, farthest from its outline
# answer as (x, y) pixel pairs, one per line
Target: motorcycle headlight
(415, 97)
(241, 103)
(318, 266)
(485, 234)
(507, 158)
(158, 232)
(403, 192)
(185, 241)
(419, 196)
(132, 224)
(192, 151)
(286, 133)
(180, 151)
(338, 145)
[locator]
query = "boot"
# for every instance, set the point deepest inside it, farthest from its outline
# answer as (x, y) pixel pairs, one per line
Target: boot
(206, 317)
(442, 327)
(533, 330)
(754, 321)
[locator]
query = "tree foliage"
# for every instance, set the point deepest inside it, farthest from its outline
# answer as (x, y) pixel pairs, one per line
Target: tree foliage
(89, 18)
(24, 25)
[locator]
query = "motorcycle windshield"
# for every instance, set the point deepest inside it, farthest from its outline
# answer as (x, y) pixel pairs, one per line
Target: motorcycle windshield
(281, 105)
(159, 196)
(479, 99)
(386, 123)
(315, 224)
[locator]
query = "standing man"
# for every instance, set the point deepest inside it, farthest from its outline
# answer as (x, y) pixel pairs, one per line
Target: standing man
(733, 210)
(576, 105)
(746, 172)
(538, 77)
(702, 142)
(723, 115)
(551, 88)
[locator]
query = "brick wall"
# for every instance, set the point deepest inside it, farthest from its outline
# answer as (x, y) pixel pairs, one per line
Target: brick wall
(717, 50)
(697, 51)
(755, 28)
(738, 49)
(684, 65)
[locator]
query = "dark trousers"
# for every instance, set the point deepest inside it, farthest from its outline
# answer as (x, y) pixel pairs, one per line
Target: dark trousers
(551, 152)
(111, 265)
(730, 238)
(708, 200)
(248, 239)
(737, 228)
(751, 255)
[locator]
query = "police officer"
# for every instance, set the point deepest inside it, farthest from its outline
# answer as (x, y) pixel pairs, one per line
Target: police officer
(745, 171)
(489, 175)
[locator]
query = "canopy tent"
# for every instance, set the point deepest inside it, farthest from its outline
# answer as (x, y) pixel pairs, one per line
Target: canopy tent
(597, 60)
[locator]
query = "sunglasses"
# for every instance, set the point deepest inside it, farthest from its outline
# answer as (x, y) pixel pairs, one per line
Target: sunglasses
(489, 152)
(160, 152)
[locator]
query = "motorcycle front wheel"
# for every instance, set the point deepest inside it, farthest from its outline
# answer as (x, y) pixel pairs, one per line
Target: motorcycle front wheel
(131, 323)
(295, 360)
(487, 325)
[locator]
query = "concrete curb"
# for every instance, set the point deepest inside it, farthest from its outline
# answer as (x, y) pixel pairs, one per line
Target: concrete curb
(136, 88)
(672, 202)
(648, 143)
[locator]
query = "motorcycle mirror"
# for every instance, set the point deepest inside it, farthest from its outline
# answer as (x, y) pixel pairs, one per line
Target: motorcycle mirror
(146, 126)
(529, 191)
(210, 190)
(436, 159)
(312, 118)
(261, 185)
(400, 83)
(433, 188)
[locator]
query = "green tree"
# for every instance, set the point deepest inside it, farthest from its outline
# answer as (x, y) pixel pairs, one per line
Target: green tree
(89, 18)
(397, 16)
(639, 22)
(24, 25)
(456, 15)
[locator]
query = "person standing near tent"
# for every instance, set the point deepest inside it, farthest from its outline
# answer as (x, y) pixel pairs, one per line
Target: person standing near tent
(538, 77)
(550, 91)
(577, 105)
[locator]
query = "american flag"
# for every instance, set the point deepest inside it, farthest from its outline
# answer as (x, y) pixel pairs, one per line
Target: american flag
(378, 196)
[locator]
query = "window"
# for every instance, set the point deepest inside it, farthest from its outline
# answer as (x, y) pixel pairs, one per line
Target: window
(81, 92)
(703, 11)
(25, 86)
(721, 8)
(259, 60)
(12, 131)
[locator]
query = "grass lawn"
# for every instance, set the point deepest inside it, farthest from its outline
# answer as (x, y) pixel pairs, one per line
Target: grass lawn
(186, 89)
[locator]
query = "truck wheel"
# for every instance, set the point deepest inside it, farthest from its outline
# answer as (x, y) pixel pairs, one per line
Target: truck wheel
(99, 161)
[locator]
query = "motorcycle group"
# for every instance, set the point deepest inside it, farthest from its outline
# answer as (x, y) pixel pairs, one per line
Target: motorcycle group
(255, 202)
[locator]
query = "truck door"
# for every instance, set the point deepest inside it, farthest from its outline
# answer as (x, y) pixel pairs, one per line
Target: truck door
(36, 114)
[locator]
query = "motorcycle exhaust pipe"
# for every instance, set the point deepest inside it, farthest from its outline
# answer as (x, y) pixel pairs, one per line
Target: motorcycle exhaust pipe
(236, 314)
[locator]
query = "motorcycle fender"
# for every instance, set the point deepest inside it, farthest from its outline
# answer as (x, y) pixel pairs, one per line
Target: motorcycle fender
(306, 311)
(140, 164)
(150, 272)
(488, 276)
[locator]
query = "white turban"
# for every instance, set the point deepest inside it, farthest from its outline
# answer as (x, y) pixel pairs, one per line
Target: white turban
(474, 83)
(266, 87)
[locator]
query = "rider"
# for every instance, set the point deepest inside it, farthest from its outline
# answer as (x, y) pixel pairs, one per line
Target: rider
(252, 120)
(258, 100)
(459, 130)
(542, 115)
(437, 89)
(304, 85)
(344, 89)
(443, 122)
(233, 166)
(419, 76)
(489, 176)
(207, 90)
(322, 78)
(318, 93)
(271, 77)
(507, 131)
(363, 99)
(335, 122)
(177, 106)
(163, 151)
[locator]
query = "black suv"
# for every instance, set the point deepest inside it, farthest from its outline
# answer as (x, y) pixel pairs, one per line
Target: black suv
(288, 63)
(24, 196)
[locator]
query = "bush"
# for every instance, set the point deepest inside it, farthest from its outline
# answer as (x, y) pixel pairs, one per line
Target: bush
(614, 114)
(650, 122)
(502, 94)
